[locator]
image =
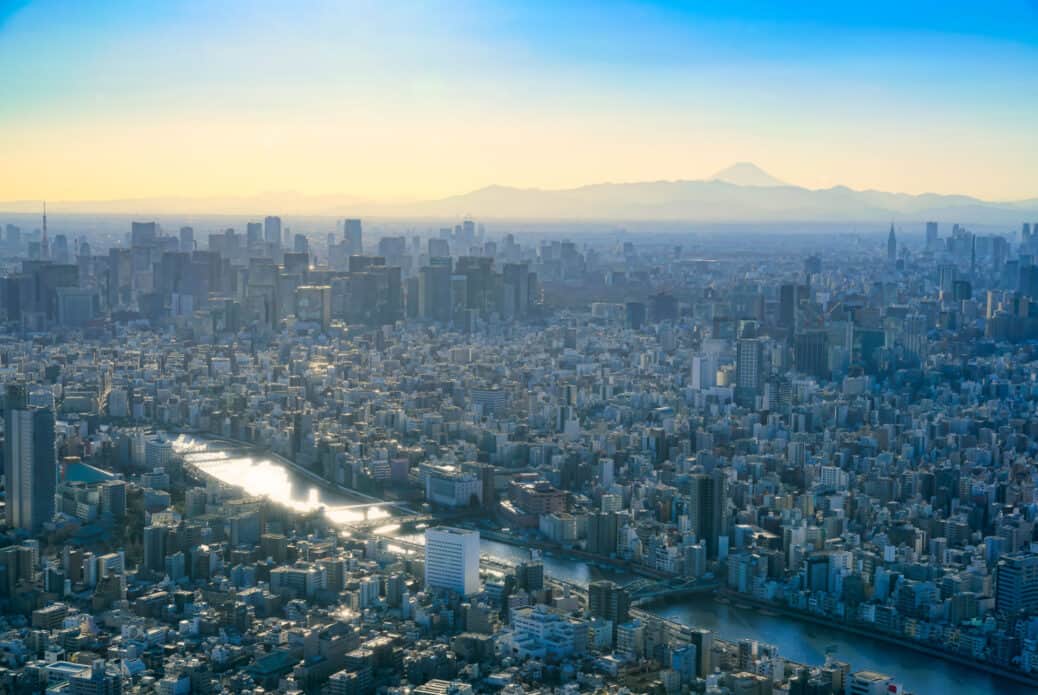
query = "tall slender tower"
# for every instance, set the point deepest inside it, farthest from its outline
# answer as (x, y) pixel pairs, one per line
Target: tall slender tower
(892, 245)
(44, 242)
(31, 461)
(272, 230)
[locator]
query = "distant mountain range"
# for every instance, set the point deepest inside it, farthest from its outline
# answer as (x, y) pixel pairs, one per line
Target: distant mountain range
(740, 193)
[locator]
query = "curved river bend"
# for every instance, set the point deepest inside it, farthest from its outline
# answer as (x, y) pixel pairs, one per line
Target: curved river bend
(802, 642)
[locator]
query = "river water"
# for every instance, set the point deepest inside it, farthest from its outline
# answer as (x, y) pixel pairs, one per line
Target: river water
(802, 642)
(807, 644)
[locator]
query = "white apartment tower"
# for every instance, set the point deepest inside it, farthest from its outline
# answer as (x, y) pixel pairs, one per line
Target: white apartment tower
(452, 560)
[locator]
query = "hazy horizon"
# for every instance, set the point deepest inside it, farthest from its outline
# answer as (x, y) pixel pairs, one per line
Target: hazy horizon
(741, 193)
(388, 102)
(715, 176)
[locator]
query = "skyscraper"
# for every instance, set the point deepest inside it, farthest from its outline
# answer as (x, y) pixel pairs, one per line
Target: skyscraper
(44, 242)
(602, 528)
(143, 234)
(272, 230)
(31, 461)
(790, 297)
(932, 238)
(704, 372)
(187, 239)
(663, 307)
(707, 501)
(749, 369)
(516, 289)
(891, 245)
(434, 300)
(452, 560)
(787, 305)
(607, 600)
(253, 233)
(352, 234)
(155, 548)
(811, 353)
(703, 641)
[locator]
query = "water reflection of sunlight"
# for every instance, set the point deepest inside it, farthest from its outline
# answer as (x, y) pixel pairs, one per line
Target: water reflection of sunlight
(270, 479)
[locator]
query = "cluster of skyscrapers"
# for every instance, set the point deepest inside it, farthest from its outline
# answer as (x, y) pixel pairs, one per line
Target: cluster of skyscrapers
(838, 432)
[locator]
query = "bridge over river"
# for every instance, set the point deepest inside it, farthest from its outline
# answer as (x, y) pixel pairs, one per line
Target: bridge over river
(680, 604)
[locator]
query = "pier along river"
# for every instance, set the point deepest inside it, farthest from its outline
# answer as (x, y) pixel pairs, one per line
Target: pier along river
(796, 640)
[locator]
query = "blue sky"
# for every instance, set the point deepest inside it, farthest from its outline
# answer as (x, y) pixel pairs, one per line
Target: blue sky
(431, 98)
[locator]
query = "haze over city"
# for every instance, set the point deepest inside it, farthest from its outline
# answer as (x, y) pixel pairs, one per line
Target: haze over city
(518, 348)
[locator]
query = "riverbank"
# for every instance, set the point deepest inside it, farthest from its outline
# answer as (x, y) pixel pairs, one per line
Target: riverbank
(632, 567)
(894, 640)
(307, 474)
(791, 632)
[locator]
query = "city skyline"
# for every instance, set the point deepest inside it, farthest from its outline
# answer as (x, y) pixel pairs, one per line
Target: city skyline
(507, 347)
(391, 103)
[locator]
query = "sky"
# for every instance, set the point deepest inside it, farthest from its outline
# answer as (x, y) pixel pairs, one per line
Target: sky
(394, 101)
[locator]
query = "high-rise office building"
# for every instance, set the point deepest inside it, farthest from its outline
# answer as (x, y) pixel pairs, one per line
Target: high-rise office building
(703, 641)
(515, 287)
(790, 297)
(155, 548)
(253, 233)
(663, 307)
(684, 661)
(113, 498)
(707, 495)
(392, 248)
(787, 305)
(607, 600)
(434, 300)
(891, 245)
(272, 230)
(478, 274)
(602, 529)
(352, 234)
(1016, 584)
(468, 231)
(59, 253)
(187, 239)
(946, 275)
(811, 353)
(749, 369)
(143, 233)
(452, 560)
(704, 372)
(529, 576)
(31, 461)
(634, 315)
(932, 238)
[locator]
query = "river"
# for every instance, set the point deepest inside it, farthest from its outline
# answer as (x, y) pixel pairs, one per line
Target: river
(807, 644)
(802, 642)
